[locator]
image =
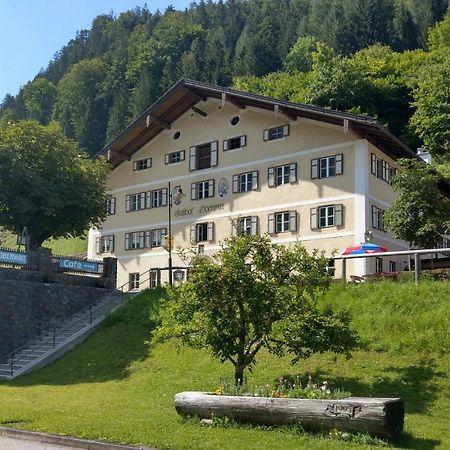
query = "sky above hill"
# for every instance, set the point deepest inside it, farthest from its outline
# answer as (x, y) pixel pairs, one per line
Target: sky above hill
(32, 31)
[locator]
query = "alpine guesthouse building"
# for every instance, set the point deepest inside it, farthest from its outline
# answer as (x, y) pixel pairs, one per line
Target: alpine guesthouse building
(216, 159)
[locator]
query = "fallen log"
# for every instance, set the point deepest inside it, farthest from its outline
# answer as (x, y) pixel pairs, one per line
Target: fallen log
(376, 416)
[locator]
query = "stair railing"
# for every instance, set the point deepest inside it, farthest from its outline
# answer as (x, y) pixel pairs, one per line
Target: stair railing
(87, 312)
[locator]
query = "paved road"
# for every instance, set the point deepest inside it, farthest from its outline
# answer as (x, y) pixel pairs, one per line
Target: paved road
(7, 443)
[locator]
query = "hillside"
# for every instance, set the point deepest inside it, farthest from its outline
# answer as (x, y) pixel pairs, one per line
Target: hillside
(109, 74)
(116, 386)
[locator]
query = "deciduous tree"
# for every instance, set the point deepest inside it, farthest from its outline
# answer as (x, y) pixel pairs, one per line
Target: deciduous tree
(421, 213)
(47, 183)
(257, 295)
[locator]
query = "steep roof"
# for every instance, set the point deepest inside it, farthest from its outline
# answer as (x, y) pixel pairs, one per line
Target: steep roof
(187, 93)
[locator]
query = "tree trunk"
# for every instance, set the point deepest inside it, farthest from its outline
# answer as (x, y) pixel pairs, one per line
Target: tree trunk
(378, 416)
(239, 374)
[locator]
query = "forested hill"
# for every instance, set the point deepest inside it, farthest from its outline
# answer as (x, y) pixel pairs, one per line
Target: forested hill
(303, 50)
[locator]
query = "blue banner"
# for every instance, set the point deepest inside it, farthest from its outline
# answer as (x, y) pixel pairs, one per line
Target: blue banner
(10, 257)
(80, 266)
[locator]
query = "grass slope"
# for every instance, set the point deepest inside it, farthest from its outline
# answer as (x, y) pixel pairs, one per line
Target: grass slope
(61, 246)
(117, 387)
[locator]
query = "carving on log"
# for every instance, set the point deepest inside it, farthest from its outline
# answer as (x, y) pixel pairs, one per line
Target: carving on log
(377, 416)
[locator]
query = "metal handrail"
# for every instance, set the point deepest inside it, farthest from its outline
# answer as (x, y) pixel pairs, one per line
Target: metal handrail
(52, 339)
(88, 309)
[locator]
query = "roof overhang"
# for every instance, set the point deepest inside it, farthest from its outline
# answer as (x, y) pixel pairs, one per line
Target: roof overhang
(185, 95)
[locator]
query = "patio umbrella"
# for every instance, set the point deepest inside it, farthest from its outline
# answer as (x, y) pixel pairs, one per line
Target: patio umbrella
(361, 249)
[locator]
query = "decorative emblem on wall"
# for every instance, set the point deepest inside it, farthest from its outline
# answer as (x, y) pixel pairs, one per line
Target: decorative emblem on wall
(223, 187)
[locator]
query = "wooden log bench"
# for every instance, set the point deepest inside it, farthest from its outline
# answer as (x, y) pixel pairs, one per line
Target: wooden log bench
(377, 416)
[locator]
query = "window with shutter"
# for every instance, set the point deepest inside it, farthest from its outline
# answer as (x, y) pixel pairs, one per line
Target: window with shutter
(213, 153)
(193, 234)
(339, 164)
(194, 191)
(128, 203)
(275, 133)
(97, 245)
(142, 164)
(174, 157)
(234, 143)
(254, 229)
(314, 169)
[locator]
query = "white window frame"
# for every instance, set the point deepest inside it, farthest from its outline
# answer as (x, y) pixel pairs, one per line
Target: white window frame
(133, 281)
(282, 174)
(246, 182)
(158, 237)
(282, 222)
(326, 216)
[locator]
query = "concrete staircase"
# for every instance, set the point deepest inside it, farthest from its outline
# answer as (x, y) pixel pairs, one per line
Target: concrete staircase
(56, 342)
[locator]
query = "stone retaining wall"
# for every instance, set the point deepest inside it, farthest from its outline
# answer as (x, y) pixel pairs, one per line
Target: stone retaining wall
(28, 307)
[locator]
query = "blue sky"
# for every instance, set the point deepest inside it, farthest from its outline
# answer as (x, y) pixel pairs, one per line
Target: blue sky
(32, 31)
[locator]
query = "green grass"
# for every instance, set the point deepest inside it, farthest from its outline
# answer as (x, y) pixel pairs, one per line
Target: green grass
(117, 387)
(61, 246)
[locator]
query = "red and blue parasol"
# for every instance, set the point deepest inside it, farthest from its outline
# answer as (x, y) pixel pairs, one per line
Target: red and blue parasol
(361, 249)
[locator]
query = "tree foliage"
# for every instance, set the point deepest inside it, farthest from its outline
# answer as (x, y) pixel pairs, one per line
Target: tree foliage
(257, 295)
(421, 213)
(47, 184)
(106, 76)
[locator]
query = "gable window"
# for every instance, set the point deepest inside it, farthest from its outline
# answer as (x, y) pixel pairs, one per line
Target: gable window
(174, 157)
(326, 167)
(282, 221)
(134, 240)
(104, 244)
(274, 133)
(133, 281)
(246, 225)
(245, 182)
(377, 218)
(202, 189)
(135, 202)
(142, 164)
(111, 206)
(234, 143)
(284, 174)
(326, 216)
(203, 156)
(202, 232)
(155, 238)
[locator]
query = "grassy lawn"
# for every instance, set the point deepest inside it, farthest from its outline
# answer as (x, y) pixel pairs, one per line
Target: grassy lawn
(117, 387)
(61, 246)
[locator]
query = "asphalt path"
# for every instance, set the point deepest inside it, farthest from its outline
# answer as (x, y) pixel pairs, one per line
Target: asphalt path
(8, 443)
